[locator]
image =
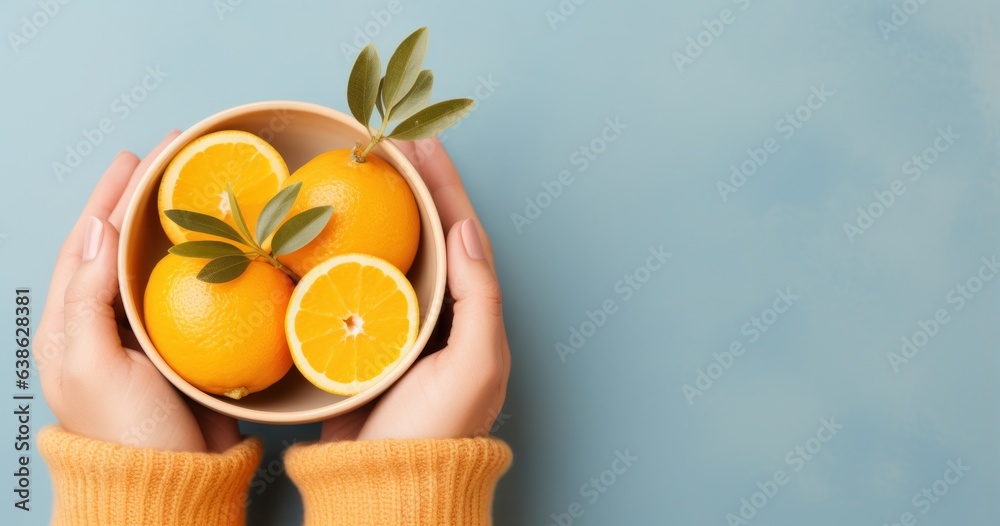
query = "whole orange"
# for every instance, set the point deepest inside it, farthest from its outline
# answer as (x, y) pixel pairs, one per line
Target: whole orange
(223, 338)
(374, 211)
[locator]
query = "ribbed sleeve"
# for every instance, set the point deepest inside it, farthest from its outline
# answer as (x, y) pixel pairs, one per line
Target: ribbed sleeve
(397, 482)
(100, 483)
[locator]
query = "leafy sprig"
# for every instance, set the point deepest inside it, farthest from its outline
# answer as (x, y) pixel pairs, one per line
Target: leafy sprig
(229, 261)
(402, 95)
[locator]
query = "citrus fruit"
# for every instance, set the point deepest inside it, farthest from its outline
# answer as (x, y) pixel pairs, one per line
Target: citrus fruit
(350, 320)
(374, 211)
(196, 179)
(223, 338)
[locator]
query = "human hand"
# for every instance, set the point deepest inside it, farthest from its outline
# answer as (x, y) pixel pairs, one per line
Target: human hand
(457, 391)
(95, 384)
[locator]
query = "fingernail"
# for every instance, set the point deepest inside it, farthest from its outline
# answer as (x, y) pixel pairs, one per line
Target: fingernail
(470, 238)
(92, 237)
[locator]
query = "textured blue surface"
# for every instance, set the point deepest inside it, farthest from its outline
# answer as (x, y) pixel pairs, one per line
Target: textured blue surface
(550, 86)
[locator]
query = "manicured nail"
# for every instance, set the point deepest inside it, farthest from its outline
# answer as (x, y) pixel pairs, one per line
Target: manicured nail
(92, 237)
(470, 238)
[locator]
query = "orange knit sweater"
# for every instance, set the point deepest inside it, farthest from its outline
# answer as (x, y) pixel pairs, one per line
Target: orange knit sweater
(384, 482)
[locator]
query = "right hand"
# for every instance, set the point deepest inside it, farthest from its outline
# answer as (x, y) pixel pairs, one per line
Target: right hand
(457, 391)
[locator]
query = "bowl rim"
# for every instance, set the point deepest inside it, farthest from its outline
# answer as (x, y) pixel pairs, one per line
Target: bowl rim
(421, 193)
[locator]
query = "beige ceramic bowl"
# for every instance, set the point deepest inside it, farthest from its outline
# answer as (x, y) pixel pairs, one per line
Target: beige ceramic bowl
(299, 131)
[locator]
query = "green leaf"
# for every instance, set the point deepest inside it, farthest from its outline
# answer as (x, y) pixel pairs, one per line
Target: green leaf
(298, 231)
(204, 249)
(416, 99)
(403, 68)
(223, 269)
(275, 210)
(205, 224)
(378, 99)
(362, 86)
(432, 120)
(234, 207)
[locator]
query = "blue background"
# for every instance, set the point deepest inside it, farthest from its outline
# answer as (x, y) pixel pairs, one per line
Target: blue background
(555, 82)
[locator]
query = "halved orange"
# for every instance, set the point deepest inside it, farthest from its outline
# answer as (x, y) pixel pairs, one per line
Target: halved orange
(195, 180)
(350, 320)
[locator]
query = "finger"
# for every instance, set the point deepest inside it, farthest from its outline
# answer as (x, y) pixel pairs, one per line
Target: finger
(477, 334)
(51, 327)
(103, 199)
(441, 177)
(91, 327)
(406, 147)
(442, 328)
(118, 214)
(220, 431)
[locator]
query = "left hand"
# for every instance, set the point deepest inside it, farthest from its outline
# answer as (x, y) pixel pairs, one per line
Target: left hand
(93, 379)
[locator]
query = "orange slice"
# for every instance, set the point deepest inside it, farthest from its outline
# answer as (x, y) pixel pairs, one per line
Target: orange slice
(350, 320)
(195, 180)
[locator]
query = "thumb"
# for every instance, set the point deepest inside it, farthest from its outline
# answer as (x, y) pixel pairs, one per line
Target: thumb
(477, 327)
(91, 326)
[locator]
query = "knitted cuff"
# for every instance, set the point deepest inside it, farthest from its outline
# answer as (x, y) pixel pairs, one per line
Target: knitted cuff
(389, 482)
(103, 483)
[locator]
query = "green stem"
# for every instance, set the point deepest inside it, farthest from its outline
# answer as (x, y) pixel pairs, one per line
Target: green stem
(277, 264)
(373, 140)
(295, 277)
